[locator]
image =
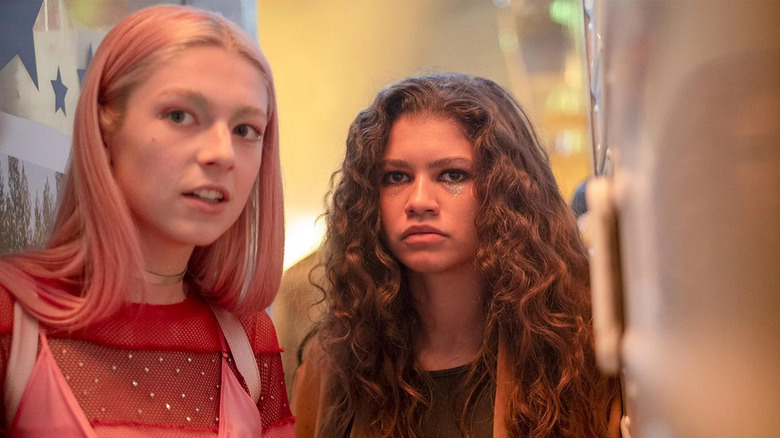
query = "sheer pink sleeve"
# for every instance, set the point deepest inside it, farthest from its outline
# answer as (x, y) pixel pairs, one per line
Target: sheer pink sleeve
(6, 326)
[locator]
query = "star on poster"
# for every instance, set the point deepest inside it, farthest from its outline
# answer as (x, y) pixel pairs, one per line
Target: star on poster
(17, 18)
(83, 71)
(60, 90)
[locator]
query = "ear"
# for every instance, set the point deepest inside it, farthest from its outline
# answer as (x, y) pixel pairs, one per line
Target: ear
(109, 157)
(107, 121)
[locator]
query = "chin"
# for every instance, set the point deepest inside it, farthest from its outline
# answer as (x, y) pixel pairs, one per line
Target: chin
(437, 265)
(426, 266)
(201, 234)
(201, 239)
(206, 241)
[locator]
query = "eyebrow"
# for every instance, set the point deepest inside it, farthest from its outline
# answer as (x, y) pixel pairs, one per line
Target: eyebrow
(252, 111)
(450, 161)
(202, 103)
(192, 97)
(441, 162)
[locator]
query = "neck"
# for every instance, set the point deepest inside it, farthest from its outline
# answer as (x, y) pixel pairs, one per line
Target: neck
(453, 323)
(163, 279)
(148, 293)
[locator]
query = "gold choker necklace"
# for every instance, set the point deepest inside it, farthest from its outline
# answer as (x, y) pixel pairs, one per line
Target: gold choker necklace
(162, 279)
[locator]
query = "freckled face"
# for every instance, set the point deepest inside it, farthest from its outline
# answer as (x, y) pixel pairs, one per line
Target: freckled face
(190, 146)
(427, 201)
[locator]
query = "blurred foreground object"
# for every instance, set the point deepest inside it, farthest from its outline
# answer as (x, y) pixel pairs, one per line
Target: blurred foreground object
(686, 101)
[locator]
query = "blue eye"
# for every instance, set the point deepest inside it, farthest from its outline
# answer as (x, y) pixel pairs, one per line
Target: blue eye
(395, 177)
(180, 117)
(247, 132)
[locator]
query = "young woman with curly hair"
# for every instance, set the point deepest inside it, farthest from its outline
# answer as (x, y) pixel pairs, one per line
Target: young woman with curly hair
(458, 283)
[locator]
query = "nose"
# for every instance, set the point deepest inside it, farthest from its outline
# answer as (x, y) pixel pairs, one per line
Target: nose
(422, 198)
(216, 149)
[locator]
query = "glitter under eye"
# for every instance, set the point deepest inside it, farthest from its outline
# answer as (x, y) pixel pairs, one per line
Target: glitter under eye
(455, 188)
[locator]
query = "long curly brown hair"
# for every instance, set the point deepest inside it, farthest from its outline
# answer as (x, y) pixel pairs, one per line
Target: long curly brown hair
(530, 254)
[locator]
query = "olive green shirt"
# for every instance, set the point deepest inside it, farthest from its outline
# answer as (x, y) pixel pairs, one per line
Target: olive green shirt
(442, 419)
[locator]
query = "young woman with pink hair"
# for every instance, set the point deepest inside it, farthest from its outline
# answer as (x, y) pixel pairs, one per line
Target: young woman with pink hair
(144, 313)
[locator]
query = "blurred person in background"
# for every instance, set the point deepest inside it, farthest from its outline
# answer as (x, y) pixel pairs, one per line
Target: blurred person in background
(579, 205)
(296, 308)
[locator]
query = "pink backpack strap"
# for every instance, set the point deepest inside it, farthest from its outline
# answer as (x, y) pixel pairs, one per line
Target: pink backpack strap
(21, 360)
(241, 348)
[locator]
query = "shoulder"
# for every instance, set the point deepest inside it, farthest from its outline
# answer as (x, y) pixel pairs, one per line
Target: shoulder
(308, 392)
(615, 417)
(261, 333)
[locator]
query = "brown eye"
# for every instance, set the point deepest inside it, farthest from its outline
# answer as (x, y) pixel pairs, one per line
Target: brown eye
(453, 175)
(395, 177)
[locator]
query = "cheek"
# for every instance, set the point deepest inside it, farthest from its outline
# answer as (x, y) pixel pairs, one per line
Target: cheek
(143, 154)
(249, 164)
(470, 207)
(244, 187)
(455, 189)
(386, 210)
(247, 177)
(385, 219)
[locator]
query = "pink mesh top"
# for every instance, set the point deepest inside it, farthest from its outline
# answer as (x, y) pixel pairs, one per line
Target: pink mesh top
(152, 370)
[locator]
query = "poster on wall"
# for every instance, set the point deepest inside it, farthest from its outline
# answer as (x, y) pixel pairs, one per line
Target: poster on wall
(46, 47)
(39, 76)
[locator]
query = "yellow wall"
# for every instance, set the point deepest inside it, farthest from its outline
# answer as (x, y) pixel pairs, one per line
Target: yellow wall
(330, 57)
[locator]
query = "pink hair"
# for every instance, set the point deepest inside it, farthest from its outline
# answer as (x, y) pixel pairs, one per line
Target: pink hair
(94, 249)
